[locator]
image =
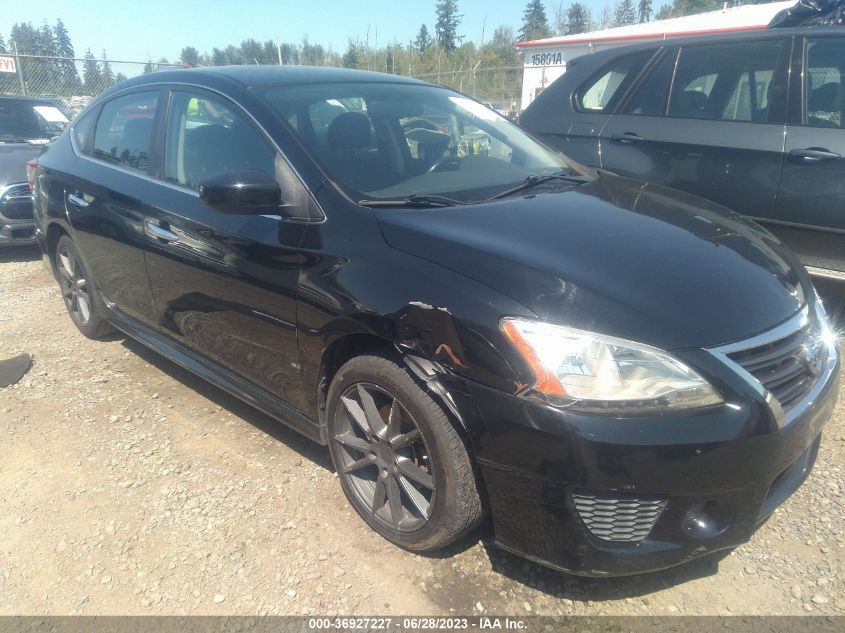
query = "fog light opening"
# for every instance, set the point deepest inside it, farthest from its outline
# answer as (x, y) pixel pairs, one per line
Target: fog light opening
(703, 521)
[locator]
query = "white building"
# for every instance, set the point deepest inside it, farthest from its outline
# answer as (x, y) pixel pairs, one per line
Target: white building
(545, 60)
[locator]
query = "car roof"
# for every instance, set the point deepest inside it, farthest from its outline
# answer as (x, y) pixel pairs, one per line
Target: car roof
(732, 36)
(267, 75)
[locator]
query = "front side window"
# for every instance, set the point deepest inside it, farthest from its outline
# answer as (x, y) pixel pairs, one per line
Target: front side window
(208, 136)
(824, 82)
(599, 93)
(124, 130)
(389, 140)
(726, 82)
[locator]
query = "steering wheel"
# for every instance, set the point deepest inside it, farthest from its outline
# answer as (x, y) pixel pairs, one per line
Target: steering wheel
(441, 164)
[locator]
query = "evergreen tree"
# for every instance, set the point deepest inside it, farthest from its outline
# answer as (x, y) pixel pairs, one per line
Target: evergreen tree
(645, 10)
(579, 19)
(64, 47)
(107, 76)
(148, 67)
(664, 13)
(446, 26)
(535, 25)
(218, 57)
(2, 45)
(91, 74)
(352, 56)
(190, 56)
(423, 40)
(624, 13)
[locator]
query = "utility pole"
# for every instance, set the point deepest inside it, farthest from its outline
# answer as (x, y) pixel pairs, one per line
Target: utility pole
(19, 68)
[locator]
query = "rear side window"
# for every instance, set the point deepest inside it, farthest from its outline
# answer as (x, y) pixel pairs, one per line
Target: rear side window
(726, 82)
(601, 91)
(124, 130)
(824, 91)
(652, 94)
(82, 129)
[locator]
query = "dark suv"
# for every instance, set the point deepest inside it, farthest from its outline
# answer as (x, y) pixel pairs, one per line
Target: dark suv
(753, 121)
(623, 376)
(25, 125)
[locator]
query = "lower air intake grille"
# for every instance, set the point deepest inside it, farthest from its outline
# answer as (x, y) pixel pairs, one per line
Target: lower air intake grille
(787, 367)
(618, 517)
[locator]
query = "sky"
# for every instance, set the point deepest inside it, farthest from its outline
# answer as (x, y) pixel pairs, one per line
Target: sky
(140, 29)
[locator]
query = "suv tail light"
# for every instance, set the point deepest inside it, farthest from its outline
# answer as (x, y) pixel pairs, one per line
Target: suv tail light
(31, 166)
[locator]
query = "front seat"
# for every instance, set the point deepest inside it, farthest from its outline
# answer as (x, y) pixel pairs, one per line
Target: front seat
(136, 143)
(207, 152)
(348, 152)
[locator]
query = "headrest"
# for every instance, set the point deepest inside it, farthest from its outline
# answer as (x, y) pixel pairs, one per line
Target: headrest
(350, 130)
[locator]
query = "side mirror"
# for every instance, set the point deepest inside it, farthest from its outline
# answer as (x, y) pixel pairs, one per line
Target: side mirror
(242, 192)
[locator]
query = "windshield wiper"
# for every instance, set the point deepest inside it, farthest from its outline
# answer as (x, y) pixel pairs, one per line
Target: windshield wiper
(536, 179)
(414, 200)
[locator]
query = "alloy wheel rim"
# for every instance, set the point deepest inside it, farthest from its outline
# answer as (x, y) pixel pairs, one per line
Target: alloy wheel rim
(74, 286)
(384, 458)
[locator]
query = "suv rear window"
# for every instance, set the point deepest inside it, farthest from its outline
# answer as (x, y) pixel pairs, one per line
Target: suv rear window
(601, 91)
(27, 121)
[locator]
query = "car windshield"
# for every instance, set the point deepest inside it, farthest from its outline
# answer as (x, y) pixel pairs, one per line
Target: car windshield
(392, 141)
(25, 121)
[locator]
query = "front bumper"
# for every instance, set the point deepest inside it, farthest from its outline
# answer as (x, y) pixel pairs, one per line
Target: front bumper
(17, 232)
(565, 487)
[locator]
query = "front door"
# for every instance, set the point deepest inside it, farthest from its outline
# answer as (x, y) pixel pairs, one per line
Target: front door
(809, 214)
(225, 284)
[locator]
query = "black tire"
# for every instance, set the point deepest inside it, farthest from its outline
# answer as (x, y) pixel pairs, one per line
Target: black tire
(83, 302)
(454, 504)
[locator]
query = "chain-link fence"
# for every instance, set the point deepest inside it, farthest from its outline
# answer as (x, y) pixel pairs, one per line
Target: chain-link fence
(74, 82)
(500, 88)
(70, 81)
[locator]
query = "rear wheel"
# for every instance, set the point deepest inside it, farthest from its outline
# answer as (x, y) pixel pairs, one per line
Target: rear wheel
(401, 462)
(81, 299)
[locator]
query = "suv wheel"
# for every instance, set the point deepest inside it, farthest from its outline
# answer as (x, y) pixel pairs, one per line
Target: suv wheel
(400, 460)
(81, 299)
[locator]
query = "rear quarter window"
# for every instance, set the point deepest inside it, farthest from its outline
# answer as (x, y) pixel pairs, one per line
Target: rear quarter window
(604, 88)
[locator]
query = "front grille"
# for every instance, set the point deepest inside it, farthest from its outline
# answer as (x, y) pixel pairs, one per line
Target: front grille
(618, 517)
(16, 202)
(788, 367)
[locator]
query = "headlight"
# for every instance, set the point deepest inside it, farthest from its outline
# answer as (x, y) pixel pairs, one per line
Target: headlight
(595, 372)
(827, 335)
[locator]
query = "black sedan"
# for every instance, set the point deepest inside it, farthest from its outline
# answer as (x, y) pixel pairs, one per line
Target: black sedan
(623, 376)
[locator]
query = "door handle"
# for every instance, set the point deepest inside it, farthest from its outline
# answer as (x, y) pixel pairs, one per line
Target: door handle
(159, 232)
(813, 155)
(627, 137)
(79, 201)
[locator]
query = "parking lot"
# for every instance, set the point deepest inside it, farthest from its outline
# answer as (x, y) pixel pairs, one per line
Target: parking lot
(131, 487)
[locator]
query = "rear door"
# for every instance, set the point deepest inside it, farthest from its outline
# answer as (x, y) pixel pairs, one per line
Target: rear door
(572, 120)
(707, 119)
(104, 199)
(809, 214)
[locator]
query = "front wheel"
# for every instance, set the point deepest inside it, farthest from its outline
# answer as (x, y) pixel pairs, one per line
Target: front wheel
(81, 299)
(401, 462)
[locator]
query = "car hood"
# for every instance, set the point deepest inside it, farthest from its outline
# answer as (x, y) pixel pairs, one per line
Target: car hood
(617, 256)
(13, 159)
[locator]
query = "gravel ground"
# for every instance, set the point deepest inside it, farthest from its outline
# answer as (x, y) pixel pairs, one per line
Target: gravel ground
(131, 487)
